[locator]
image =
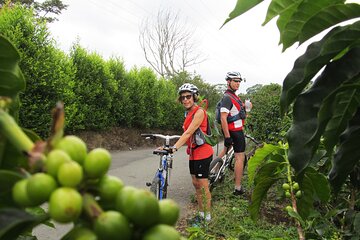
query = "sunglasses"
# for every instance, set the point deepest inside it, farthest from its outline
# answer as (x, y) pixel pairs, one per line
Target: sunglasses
(188, 97)
(237, 80)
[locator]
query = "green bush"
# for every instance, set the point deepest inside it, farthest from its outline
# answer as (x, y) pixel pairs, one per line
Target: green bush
(48, 71)
(94, 88)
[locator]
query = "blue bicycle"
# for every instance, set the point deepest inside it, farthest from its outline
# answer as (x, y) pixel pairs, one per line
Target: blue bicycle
(161, 179)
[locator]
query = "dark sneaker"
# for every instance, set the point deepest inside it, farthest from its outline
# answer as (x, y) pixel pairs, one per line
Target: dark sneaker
(197, 221)
(238, 192)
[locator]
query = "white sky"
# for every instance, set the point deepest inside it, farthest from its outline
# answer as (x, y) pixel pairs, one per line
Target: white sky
(111, 28)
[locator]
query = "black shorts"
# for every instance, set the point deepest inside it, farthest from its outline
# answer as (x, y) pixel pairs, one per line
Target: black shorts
(200, 168)
(238, 139)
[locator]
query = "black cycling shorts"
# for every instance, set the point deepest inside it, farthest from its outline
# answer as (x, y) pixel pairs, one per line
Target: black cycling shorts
(200, 168)
(238, 141)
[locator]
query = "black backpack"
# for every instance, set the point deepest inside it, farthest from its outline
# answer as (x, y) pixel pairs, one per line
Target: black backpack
(241, 115)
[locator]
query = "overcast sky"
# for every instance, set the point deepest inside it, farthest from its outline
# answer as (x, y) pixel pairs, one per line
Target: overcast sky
(111, 28)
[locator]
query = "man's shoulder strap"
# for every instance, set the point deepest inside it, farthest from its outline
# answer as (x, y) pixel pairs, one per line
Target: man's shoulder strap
(232, 96)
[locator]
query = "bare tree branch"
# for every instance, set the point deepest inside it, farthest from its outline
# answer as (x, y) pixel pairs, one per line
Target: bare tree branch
(167, 44)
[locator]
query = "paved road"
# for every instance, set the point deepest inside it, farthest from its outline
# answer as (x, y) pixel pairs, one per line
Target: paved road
(135, 168)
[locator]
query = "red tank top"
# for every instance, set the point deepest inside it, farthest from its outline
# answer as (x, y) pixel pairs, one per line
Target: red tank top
(197, 152)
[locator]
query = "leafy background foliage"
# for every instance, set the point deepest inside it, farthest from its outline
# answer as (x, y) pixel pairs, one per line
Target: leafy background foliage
(325, 113)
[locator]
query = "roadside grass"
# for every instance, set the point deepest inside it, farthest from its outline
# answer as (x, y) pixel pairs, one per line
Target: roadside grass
(231, 218)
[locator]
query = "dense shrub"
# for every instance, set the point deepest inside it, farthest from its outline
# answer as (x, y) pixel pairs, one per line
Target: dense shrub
(94, 88)
(48, 71)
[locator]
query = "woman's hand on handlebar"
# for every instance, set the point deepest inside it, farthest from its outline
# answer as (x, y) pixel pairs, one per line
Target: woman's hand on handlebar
(171, 149)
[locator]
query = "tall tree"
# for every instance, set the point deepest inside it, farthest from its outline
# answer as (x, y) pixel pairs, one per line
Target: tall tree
(46, 10)
(168, 45)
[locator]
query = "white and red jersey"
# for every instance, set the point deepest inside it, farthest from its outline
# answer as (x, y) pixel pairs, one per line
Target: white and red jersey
(231, 105)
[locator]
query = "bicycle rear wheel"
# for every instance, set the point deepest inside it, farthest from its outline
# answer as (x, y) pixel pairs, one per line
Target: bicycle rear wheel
(214, 169)
(232, 161)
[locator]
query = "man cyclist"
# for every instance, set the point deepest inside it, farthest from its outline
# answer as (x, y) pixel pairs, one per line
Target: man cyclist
(200, 153)
(232, 115)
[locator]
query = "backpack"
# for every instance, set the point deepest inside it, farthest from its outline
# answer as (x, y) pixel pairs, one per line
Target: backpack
(230, 119)
(212, 134)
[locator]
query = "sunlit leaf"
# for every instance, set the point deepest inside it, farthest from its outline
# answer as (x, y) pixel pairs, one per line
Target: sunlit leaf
(295, 215)
(277, 7)
(285, 17)
(328, 17)
(241, 7)
(258, 195)
(347, 154)
(304, 11)
(269, 169)
(259, 156)
(315, 58)
(307, 106)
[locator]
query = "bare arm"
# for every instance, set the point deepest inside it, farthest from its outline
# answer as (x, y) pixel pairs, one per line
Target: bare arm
(195, 124)
(224, 124)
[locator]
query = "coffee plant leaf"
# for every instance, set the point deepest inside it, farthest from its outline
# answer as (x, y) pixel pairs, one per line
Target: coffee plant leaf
(7, 179)
(347, 154)
(270, 168)
(241, 7)
(328, 17)
(259, 157)
(13, 221)
(303, 13)
(11, 78)
(317, 55)
(259, 194)
(278, 7)
(306, 107)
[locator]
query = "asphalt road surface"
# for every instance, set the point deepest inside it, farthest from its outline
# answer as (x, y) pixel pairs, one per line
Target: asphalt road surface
(135, 168)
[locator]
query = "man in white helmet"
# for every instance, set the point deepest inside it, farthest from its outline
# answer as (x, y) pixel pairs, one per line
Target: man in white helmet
(232, 116)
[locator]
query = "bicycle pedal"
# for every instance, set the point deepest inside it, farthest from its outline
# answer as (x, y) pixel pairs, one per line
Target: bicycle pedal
(148, 184)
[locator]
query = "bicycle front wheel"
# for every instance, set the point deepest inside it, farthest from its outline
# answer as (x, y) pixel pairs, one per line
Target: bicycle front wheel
(155, 187)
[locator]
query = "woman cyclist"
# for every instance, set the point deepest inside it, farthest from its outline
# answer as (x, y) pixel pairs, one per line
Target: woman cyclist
(200, 153)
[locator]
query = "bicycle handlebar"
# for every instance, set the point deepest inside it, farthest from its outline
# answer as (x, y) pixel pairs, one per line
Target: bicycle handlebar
(167, 138)
(252, 139)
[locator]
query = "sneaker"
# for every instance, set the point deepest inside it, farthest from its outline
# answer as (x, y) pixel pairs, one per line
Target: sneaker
(197, 221)
(239, 192)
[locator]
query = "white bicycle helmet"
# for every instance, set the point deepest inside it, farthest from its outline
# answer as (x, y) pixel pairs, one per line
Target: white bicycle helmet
(188, 87)
(233, 75)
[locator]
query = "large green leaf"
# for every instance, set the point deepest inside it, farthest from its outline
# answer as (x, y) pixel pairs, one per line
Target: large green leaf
(7, 179)
(335, 112)
(11, 78)
(277, 7)
(347, 154)
(328, 17)
(241, 7)
(258, 158)
(258, 195)
(307, 106)
(285, 17)
(316, 56)
(348, 102)
(315, 187)
(13, 222)
(269, 169)
(305, 10)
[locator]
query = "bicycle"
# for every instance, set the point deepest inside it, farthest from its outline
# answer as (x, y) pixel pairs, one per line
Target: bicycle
(161, 179)
(219, 166)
